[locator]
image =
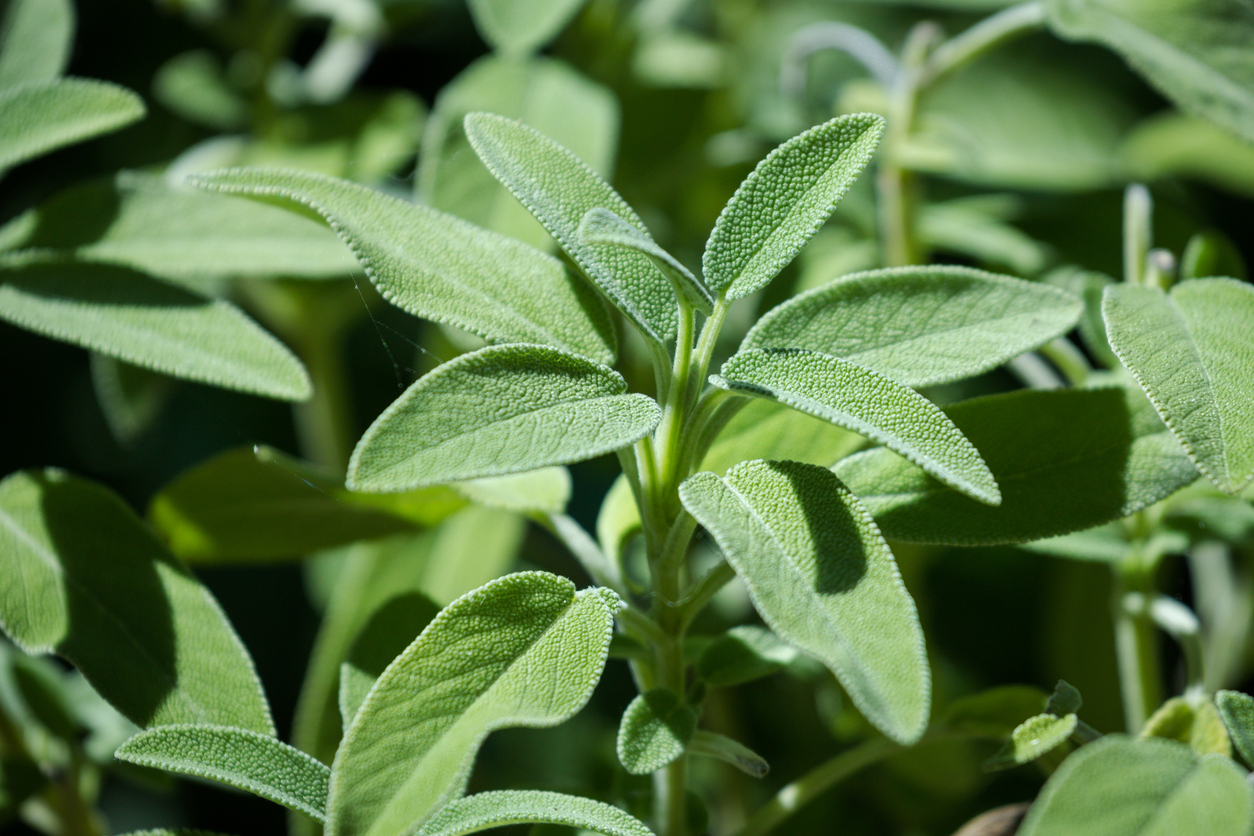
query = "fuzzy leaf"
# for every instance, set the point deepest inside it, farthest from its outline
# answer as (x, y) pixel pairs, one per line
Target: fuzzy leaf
(544, 491)
(655, 729)
(1199, 725)
(519, 26)
(868, 403)
(1122, 787)
(391, 629)
(38, 118)
(35, 40)
(439, 267)
(920, 325)
(743, 654)
(601, 226)
(1196, 52)
(729, 751)
(1096, 455)
(823, 579)
(525, 650)
(500, 410)
(765, 429)
(1191, 352)
(486, 810)
(559, 189)
(1032, 738)
(244, 759)
(784, 201)
(1237, 711)
(84, 579)
(125, 314)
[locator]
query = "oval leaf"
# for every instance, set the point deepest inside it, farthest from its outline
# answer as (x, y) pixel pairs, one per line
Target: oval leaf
(559, 189)
(500, 410)
(866, 402)
(784, 201)
(1032, 738)
(1237, 711)
(525, 650)
(743, 654)
(515, 26)
(654, 731)
(544, 491)
(601, 226)
(439, 267)
(35, 40)
(920, 325)
(823, 579)
(486, 810)
(85, 579)
(1191, 352)
(244, 759)
(38, 118)
(125, 314)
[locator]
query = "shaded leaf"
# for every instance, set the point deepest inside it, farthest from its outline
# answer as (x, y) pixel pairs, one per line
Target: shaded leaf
(771, 430)
(86, 580)
(617, 520)
(654, 731)
(516, 26)
(823, 579)
(868, 403)
(35, 40)
(601, 226)
(729, 751)
(391, 629)
(244, 759)
(38, 118)
(525, 650)
(742, 654)
(1237, 711)
(130, 397)
(996, 712)
(500, 410)
(544, 491)
(495, 809)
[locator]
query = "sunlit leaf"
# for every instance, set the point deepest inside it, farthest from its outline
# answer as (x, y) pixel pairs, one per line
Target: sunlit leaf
(391, 629)
(601, 226)
(765, 429)
(1032, 738)
(544, 491)
(38, 118)
(486, 810)
(618, 519)
(517, 26)
(1237, 711)
(1196, 723)
(35, 40)
(654, 731)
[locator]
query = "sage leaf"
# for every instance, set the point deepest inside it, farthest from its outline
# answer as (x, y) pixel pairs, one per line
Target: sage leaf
(823, 579)
(500, 410)
(601, 226)
(83, 578)
(1121, 787)
(1196, 52)
(784, 201)
(771, 430)
(868, 403)
(1190, 350)
(559, 189)
(742, 654)
(1237, 711)
(439, 267)
(920, 325)
(243, 759)
(1197, 724)
(130, 397)
(543, 491)
(729, 751)
(524, 650)
(520, 26)
(38, 118)
(125, 314)
(391, 629)
(540, 91)
(1097, 455)
(486, 810)
(35, 40)
(1032, 738)
(994, 713)
(654, 731)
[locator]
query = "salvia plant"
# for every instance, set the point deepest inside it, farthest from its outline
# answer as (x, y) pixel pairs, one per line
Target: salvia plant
(773, 437)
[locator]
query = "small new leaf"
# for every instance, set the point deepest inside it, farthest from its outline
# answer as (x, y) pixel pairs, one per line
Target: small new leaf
(486, 810)
(1031, 739)
(601, 226)
(742, 654)
(654, 731)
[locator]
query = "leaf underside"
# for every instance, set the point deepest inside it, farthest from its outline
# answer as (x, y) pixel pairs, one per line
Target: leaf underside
(496, 809)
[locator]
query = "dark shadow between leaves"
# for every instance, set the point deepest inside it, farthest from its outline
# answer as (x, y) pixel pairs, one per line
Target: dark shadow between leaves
(391, 629)
(76, 217)
(839, 550)
(103, 285)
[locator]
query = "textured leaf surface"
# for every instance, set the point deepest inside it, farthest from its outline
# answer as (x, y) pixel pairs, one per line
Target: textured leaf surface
(654, 731)
(525, 650)
(920, 325)
(823, 579)
(868, 403)
(1196, 52)
(765, 429)
(601, 226)
(35, 40)
(38, 118)
(85, 579)
(784, 201)
(742, 654)
(1096, 455)
(245, 759)
(142, 221)
(559, 189)
(442, 268)
(1192, 353)
(544, 491)
(1237, 711)
(1032, 738)
(515, 26)
(391, 629)
(500, 410)
(1122, 787)
(125, 314)
(1199, 725)
(495, 809)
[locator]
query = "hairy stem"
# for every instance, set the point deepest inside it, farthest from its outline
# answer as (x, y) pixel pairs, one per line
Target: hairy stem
(1136, 642)
(985, 36)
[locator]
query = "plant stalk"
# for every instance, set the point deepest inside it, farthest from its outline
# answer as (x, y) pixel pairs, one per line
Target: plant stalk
(1136, 642)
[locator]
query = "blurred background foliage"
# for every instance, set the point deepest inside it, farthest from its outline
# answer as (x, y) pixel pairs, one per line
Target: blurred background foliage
(1017, 164)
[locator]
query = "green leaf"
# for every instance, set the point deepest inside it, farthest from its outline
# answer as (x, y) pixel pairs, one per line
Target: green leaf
(1066, 699)
(539, 91)
(823, 579)
(85, 579)
(866, 402)
(1122, 787)
(1089, 286)
(784, 201)
(1171, 144)
(765, 429)
(1104, 544)
(520, 26)
(171, 231)
(601, 226)
(38, 118)
(439, 267)
(35, 40)
(391, 629)
(525, 650)
(1033, 738)
(743, 654)
(1198, 724)
(617, 520)
(654, 731)
(125, 314)
(969, 227)
(996, 712)
(500, 410)
(244, 759)
(728, 751)
(1196, 52)
(486, 810)
(920, 325)
(1237, 711)
(559, 189)
(1097, 455)
(1190, 350)
(544, 491)
(130, 397)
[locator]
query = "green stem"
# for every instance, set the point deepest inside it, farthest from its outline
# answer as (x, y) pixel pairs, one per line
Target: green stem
(667, 437)
(985, 36)
(1067, 359)
(705, 589)
(1138, 234)
(323, 423)
(1136, 642)
(1180, 622)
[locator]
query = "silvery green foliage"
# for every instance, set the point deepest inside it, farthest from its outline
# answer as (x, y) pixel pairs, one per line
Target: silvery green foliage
(520, 26)
(1237, 711)
(40, 117)
(495, 809)
(655, 730)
